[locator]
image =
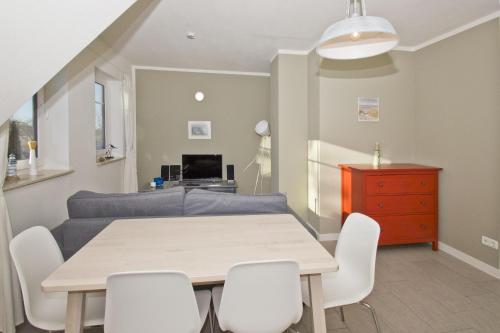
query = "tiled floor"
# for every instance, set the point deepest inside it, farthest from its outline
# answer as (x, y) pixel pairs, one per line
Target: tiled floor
(416, 290)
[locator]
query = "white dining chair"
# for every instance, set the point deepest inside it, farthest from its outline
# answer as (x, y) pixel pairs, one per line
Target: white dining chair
(355, 253)
(154, 302)
(259, 297)
(36, 255)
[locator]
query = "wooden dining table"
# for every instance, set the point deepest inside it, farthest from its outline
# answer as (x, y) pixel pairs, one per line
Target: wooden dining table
(203, 247)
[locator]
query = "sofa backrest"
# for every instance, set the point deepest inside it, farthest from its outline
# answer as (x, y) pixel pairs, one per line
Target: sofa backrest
(202, 202)
(86, 204)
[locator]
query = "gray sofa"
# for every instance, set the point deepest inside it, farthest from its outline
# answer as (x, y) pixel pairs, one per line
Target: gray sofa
(91, 212)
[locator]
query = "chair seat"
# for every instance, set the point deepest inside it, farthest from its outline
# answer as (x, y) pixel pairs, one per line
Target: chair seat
(338, 290)
(203, 301)
(53, 311)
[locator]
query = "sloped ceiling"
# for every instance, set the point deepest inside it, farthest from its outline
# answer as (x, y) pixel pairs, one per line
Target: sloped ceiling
(38, 38)
(244, 35)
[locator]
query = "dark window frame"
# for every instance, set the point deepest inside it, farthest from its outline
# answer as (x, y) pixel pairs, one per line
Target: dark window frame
(35, 121)
(35, 125)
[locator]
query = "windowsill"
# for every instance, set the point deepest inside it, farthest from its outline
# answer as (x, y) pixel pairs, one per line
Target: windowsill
(112, 160)
(26, 179)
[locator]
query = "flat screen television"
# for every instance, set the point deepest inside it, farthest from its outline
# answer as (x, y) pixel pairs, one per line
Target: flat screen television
(196, 167)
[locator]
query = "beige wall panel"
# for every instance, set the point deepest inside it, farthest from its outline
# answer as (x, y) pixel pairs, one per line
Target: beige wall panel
(458, 128)
(233, 103)
(292, 122)
(343, 139)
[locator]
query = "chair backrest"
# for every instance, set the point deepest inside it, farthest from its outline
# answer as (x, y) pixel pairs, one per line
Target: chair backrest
(151, 302)
(36, 255)
(357, 249)
(261, 297)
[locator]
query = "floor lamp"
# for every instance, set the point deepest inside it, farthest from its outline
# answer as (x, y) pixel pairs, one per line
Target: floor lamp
(263, 156)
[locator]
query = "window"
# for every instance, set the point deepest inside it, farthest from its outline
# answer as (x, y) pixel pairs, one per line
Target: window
(100, 117)
(23, 128)
(108, 100)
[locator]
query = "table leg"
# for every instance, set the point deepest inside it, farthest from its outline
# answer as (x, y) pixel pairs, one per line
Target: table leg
(317, 303)
(75, 312)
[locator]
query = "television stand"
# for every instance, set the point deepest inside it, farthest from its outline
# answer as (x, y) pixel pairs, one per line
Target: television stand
(209, 185)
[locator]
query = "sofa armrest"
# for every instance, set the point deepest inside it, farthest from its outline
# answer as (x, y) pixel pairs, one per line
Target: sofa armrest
(78, 232)
(57, 233)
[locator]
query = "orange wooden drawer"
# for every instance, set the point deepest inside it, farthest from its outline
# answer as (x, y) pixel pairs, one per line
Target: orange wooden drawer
(396, 184)
(402, 229)
(400, 204)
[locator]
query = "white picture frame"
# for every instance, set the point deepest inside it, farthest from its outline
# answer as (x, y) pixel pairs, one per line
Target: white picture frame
(199, 130)
(368, 109)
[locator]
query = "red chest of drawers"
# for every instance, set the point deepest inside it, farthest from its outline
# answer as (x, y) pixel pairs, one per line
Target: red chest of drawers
(402, 198)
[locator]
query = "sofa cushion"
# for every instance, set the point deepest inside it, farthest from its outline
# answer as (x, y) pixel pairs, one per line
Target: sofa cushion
(202, 202)
(86, 204)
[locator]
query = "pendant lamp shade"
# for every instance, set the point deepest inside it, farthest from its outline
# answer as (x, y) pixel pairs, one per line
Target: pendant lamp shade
(356, 37)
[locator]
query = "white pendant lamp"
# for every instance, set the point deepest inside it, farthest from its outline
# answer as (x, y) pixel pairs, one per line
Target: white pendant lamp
(357, 36)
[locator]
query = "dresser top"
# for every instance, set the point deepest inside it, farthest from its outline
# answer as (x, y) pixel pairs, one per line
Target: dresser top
(388, 167)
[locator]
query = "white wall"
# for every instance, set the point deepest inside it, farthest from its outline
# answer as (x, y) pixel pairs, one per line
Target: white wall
(41, 37)
(67, 140)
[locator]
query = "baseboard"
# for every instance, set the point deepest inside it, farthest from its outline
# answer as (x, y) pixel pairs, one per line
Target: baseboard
(327, 237)
(482, 266)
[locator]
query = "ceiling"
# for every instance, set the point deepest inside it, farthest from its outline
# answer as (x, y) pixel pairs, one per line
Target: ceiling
(244, 35)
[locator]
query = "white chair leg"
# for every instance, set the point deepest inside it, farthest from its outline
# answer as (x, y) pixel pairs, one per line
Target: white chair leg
(372, 310)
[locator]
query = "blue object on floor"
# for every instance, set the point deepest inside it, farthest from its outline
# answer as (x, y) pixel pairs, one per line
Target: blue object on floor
(158, 181)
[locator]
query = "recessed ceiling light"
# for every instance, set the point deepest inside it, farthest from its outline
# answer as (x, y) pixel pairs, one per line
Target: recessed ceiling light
(191, 35)
(199, 96)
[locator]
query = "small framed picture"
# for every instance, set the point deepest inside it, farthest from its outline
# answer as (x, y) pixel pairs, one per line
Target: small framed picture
(199, 130)
(368, 108)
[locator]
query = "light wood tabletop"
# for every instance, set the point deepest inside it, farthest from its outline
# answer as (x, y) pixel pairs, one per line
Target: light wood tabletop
(203, 247)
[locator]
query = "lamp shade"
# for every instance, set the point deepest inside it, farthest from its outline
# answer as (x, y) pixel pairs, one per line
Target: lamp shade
(357, 37)
(262, 128)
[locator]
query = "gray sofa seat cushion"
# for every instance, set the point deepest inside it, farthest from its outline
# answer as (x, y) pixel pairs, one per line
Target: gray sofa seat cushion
(201, 202)
(86, 204)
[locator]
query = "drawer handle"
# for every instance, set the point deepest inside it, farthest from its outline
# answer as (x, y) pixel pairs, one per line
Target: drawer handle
(380, 184)
(423, 203)
(380, 205)
(423, 183)
(423, 227)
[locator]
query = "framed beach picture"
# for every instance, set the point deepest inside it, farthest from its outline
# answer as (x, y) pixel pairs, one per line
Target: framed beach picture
(368, 108)
(200, 130)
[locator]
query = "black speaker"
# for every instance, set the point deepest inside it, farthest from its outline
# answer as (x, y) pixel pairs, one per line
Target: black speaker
(165, 172)
(175, 173)
(230, 173)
